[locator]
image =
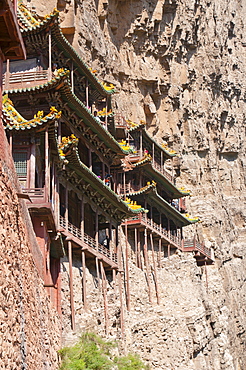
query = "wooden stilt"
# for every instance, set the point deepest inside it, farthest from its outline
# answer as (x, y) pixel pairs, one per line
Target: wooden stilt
(139, 251)
(127, 271)
(146, 258)
(136, 245)
(159, 256)
(105, 300)
(84, 279)
(155, 270)
(70, 260)
(47, 166)
(122, 313)
(168, 250)
(206, 275)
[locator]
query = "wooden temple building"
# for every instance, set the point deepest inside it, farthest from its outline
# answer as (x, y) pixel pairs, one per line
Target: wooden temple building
(86, 174)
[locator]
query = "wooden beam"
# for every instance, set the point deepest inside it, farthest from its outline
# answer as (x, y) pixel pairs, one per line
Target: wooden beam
(155, 270)
(128, 305)
(105, 300)
(84, 279)
(147, 265)
(70, 260)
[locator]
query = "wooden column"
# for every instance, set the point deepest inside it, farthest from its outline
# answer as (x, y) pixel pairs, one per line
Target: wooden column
(7, 76)
(147, 265)
(72, 77)
(96, 238)
(90, 159)
(10, 141)
(66, 205)
(50, 59)
(106, 116)
(32, 166)
(153, 153)
(84, 279)
(168, 250)
(159, 258)
(105, 300)
(136, 245)
(151, 215)
(82, 223)
(128, 304)
(161, 159)
(124, 184)
(139, 250)
(87, 94)
(141, 144)
(155, 270)
(122, 313)
(47, 166)
(59, 132)
(70, 259)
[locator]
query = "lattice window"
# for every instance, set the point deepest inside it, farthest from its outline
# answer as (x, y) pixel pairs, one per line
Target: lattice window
(20, 160)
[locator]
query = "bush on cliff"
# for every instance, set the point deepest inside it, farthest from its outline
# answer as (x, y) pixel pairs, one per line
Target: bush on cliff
(93, 353)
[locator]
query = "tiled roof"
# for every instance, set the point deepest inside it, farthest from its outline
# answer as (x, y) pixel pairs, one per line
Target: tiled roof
(12, 119)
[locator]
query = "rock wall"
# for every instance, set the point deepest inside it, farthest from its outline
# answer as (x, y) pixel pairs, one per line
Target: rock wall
(179, 65)
(30, 328)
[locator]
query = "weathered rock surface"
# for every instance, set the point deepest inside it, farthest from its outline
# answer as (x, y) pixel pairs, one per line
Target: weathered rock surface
(180, 66)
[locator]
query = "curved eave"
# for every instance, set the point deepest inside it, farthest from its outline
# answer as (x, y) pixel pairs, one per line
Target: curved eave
(63, 44)
(141, 127)
(160, 178)
(97, 184)
(62, 85)
(167, 208)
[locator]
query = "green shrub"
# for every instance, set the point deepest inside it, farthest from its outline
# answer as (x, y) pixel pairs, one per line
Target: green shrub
(93, 353)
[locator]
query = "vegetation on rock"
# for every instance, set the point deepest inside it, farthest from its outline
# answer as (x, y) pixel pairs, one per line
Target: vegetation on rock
(94, 353)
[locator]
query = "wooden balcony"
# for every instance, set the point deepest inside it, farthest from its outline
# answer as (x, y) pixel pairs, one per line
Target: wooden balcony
(25, 79)
(36, 195)
(141, 220)
(88, 244)
(202, 253)
(162, 170)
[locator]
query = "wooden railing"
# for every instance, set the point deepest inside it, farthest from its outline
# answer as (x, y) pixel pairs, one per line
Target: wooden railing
(37, 195)
(186, 245)
(24, 79)
(88, 240)
(175, 240)
(194, 245)
(161, 169)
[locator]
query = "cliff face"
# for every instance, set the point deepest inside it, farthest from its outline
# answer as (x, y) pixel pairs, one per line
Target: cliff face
(179, 65)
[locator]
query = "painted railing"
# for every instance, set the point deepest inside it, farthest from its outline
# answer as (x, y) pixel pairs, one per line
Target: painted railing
(24, 79)
(88, 240)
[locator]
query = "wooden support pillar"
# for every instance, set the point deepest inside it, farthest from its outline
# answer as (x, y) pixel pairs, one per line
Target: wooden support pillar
(141, 144)
(124, 184)
(32, 166)
(105, 300)
(161, 160)
(57, 199)
(139, 251)
(10, 141)
(87, 94)
(47, 166)
(168, 250)
(128, 305)
(159, 257)
(82, 223)
(90, 159)
(106, 115)
(155, 270)
(147, 265)
(206, 274)
(7, 76)
(122, 313)
(96, 238)
(59, 133)
(168, 227)
(136, 245)
(151, 215)
(72, 77)
(66, 205)
(84, 279)
(70, 260)
(153, 153)
(50, 58)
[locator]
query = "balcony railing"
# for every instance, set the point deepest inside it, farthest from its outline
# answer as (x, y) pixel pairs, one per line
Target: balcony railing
(143, 219)
(194, 245)
(161, 169)
(24, 79)
(88, 240)
(37, 195)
